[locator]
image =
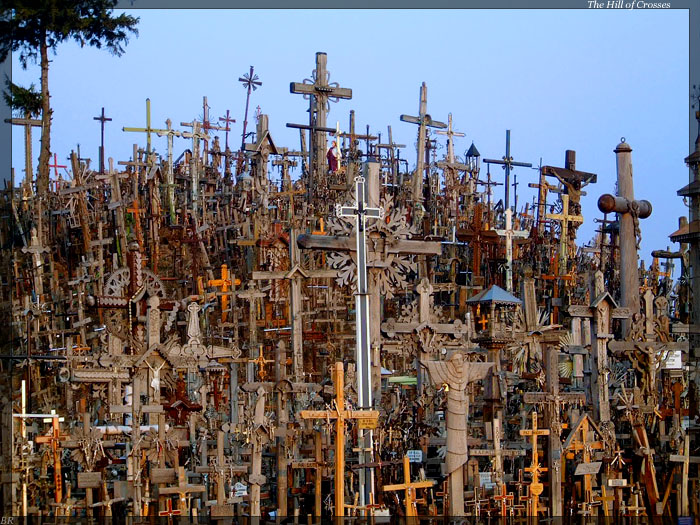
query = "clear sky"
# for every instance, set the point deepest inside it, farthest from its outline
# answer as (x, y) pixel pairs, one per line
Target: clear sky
(558, 79)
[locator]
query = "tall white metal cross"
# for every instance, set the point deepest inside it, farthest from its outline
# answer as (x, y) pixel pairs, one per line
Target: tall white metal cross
(362, 324)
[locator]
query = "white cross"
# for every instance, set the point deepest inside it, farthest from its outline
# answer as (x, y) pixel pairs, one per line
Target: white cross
(509, 234)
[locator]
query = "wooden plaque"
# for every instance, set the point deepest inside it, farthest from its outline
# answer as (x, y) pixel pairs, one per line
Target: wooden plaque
(367, 423)
(221, 511)
(89, 480)
(163, 475)
(617, 483)
(587, 468)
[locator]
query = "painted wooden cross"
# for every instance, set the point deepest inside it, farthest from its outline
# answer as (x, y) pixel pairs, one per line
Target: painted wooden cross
(148, 129)
(505, 499)
(340, 414)
(509, 233)
(319, 92)
(424, 121)
(224, 283)
(579, 440)
(507, 163)
(564, 218)
(54, 441)
(536, 487)
(409, 487)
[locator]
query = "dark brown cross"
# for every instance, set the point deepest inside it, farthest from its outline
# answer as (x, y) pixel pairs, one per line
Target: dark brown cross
(102, 118)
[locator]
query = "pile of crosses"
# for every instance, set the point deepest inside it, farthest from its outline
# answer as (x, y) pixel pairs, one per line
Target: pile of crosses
(200, 336)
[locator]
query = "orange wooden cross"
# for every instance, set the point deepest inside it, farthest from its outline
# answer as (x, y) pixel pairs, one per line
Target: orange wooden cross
(340, 414)
(408, 486)
(224, 283)
(54, 439)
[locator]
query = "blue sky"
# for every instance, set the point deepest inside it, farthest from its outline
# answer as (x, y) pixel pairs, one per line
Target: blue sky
(558, 79)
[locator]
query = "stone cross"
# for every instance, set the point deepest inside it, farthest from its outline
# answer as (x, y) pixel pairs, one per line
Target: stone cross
(508, 164)
(319, 92)
(424, 121)
(509, 233)
(629, 212)
(456, 374)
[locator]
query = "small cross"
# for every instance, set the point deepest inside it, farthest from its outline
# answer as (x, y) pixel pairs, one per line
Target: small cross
(227, 120)
(56, 165)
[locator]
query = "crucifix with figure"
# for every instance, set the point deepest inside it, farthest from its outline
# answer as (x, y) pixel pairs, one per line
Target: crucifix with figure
(319, 92)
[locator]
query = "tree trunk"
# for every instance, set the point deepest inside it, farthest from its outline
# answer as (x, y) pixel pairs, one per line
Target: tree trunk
(42, 182)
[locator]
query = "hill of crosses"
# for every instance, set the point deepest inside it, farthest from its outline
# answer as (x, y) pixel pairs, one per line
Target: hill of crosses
(192, 337)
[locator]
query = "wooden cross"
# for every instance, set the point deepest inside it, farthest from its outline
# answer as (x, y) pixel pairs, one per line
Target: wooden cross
(319, 92)
(107, 501)
(169, 512)
(578, 441)
(507, 164)
(409, 487)
(28, 123)
(505, 499)
(54, 440)
(102, 118)
(224, 283)
(183, 489)
(227, 120)
(169, 132)
(685, 459)
(603, 499)
(56, 165)
(629, 212)
(196, 135)
(564, 218)
(509, 233)
(450, 140)
(261, 361)
(340, 414)
(148, 129)
(535, 487)
(424, 121)
(252, 294)
(295, 277)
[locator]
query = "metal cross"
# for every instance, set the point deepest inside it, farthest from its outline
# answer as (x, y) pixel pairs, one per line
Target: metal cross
(507, 164)
(102, 118)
